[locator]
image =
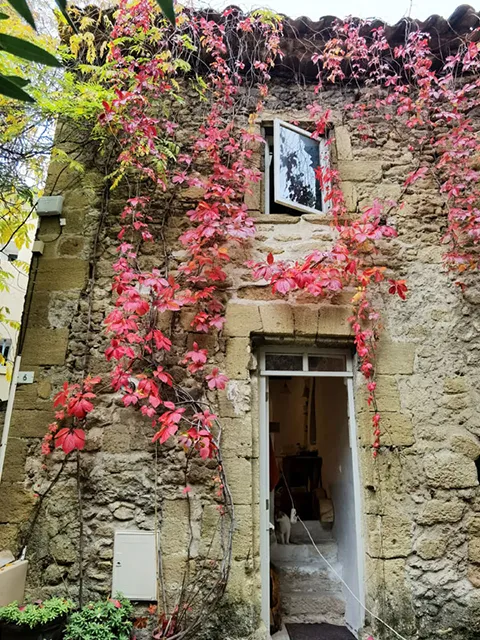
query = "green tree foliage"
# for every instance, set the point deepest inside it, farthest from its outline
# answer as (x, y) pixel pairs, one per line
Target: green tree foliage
(27, 130)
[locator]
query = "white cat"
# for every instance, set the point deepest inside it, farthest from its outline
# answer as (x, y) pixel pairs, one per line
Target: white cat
(283, 527)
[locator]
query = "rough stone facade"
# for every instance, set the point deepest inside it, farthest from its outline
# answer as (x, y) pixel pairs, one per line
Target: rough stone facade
(421, 498)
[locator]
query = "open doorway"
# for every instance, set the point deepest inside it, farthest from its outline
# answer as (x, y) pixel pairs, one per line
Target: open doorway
(315, 563)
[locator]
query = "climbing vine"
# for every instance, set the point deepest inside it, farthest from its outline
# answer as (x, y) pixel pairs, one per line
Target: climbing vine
(150, 65)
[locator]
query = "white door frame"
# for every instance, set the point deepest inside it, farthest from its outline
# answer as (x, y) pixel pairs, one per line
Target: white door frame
(264, 375)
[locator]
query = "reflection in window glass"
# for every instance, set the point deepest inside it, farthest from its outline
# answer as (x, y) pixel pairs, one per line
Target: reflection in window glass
(326, 363)
(280, 362)
(299, 156)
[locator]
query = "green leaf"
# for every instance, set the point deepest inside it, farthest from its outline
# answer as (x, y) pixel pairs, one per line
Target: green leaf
(20, 82)
(4, 16)
(23, 9)
(12, 90)
(27, 50)
(167, 7)
(62, 5)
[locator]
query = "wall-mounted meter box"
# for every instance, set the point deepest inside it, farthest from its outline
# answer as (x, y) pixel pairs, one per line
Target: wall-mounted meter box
(134, 565)
(49, 206)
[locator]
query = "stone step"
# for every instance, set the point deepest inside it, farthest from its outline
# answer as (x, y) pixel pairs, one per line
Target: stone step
(318, 532)
(301, 552)
(314, 575)
(313, 607)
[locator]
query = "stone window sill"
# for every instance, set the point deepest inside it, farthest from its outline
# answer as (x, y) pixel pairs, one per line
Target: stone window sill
(285, 218)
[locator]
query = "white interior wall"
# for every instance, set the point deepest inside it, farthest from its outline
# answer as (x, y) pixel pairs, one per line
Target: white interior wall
(337, 474)
(287, 407)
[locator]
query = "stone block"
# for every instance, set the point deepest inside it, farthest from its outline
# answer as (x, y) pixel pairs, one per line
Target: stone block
(431, 545)
(343, 143)
(389, 589)
(44, 346)
(234, 401)
(455, 385)
(239, 478)
(174, 531)
(386, 393)
(242, 536)
(473, 575)
(240, 584)
(465, 443)
(63, 549)
(253, 200)
(474, 525)
(276, 218)
(305, 319)
(211, 520)
(350, 195)
(333, 321)
(30, 423)
(396, 428)
(395, 357)
(242, 319)
(15, 503)
(16, 454)
(60, 274)
(44, 389)
(117, 438)
(38, 316)
(26, 396)
(238, 358)
(237, 436)
(277, 318)
(450, 470)
(360, 171)
(9, 538)
(71, 245)
(191, 193)
(389, 536)
(474, 550)
(174, 568)
(257, 292)
(439, 511)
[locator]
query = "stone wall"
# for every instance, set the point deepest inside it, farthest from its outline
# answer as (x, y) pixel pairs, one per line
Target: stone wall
(421, 498)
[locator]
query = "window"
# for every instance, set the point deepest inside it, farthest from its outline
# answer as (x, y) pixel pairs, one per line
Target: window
(5, 346)
(291, 157)
(9, 252)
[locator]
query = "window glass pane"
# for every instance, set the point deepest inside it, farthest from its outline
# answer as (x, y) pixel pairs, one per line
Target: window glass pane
(326, 363)
(280, 362)
(299, 156)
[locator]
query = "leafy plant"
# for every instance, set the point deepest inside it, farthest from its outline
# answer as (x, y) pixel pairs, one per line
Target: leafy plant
(36, 614)
(13, 86)
(105, 620)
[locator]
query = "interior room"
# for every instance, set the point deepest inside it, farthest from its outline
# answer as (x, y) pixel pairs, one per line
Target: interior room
(311, 473)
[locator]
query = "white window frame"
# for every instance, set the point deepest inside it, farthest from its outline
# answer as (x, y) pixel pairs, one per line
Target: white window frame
(324, 162)
(304, 372)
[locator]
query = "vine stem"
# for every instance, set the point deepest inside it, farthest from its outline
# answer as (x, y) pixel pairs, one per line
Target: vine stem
(80, 533)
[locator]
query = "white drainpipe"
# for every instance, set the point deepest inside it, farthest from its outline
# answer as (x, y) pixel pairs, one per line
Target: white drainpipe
(8, 413)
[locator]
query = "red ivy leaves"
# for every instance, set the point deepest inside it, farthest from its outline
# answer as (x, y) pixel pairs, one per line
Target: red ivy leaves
(398, 287)
(69, 439)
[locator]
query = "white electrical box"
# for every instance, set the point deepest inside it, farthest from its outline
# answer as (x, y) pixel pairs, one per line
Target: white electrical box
(49, 206)
(134, 565)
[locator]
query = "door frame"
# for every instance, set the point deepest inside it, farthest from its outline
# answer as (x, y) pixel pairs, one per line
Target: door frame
(264, 452)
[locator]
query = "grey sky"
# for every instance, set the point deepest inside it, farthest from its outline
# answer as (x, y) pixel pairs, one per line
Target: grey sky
(391, 12)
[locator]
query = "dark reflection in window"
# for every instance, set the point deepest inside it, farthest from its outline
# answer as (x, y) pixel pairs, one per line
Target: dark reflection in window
(326, 363)
(281, 362)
